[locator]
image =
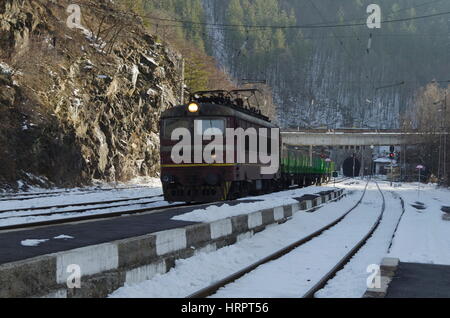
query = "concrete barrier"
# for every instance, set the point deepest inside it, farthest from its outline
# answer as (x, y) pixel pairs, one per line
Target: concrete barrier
(388, 268)
(107, 267)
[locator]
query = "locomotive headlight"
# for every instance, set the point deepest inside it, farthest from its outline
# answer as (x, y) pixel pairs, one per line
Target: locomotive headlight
(193, 107)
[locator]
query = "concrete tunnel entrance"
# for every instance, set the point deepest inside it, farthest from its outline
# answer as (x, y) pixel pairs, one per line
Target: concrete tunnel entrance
(351, 167)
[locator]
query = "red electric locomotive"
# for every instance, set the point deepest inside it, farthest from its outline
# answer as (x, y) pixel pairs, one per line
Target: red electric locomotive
(214, 113)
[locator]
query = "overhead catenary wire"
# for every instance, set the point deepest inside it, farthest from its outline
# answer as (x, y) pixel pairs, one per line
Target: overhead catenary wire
(250, 27)
(396, 11)
(320, 25)
(367, 75)
(305, 26)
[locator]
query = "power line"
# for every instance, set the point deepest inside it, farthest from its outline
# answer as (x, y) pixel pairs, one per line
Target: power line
(247, 26)
(392, 85)
(335, 36)
(367, 76)
(305, 26)
(418, 6)
(400, 10)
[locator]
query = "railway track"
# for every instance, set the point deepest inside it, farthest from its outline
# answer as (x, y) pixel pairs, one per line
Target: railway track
(87, 207)
(91, 217)
(39, 195)
(93, 203)
(212, 289)
(341, 263)
(402, 202)
(80, 211)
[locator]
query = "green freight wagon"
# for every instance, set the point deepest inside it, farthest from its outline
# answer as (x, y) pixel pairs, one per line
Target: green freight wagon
(298, 168)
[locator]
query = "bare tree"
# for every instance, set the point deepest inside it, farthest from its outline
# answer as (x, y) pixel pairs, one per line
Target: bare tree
(431, 118)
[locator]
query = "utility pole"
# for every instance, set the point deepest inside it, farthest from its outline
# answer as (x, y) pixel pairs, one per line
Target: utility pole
(182, 81)
(371, 160)
(419, 167)
(445, 137)
(441, 126)
(392, 172)
(362, 160)
(404, 162)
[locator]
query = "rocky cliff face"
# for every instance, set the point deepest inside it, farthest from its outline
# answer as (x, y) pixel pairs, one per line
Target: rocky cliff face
(80, 103)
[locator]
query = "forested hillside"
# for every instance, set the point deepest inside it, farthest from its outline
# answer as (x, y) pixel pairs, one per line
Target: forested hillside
(90, 96)
(201, 68)
(321, 76)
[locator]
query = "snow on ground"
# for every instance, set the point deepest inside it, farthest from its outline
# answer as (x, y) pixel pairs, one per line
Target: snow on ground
(294, 274)
(33, 242)
(67, 215)
(80, 195)
(423, 236)
(97, 185)
(199, 271)
(214, 213)
(139, 189)
(63, 237)
(351, 281)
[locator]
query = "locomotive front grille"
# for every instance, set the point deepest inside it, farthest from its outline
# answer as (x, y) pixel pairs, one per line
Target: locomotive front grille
(192, 180)
(178, 193)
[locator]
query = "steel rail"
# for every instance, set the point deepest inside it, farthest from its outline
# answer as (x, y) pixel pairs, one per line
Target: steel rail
(341, 264)
(37, 195)
(213, 288)
(79, 210)
(60, 206)
(24, 226)
(402, 202)
(95, 216)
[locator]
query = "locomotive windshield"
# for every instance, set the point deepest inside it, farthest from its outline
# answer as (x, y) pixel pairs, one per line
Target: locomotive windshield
(169, 125)
(207, 127)
(211, 126)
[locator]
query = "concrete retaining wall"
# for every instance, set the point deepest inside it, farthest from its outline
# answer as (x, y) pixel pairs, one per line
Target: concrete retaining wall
(388, 268)
(107, 267)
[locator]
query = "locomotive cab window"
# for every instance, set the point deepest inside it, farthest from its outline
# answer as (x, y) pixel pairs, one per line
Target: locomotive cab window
(211, 127)
(169, 125)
